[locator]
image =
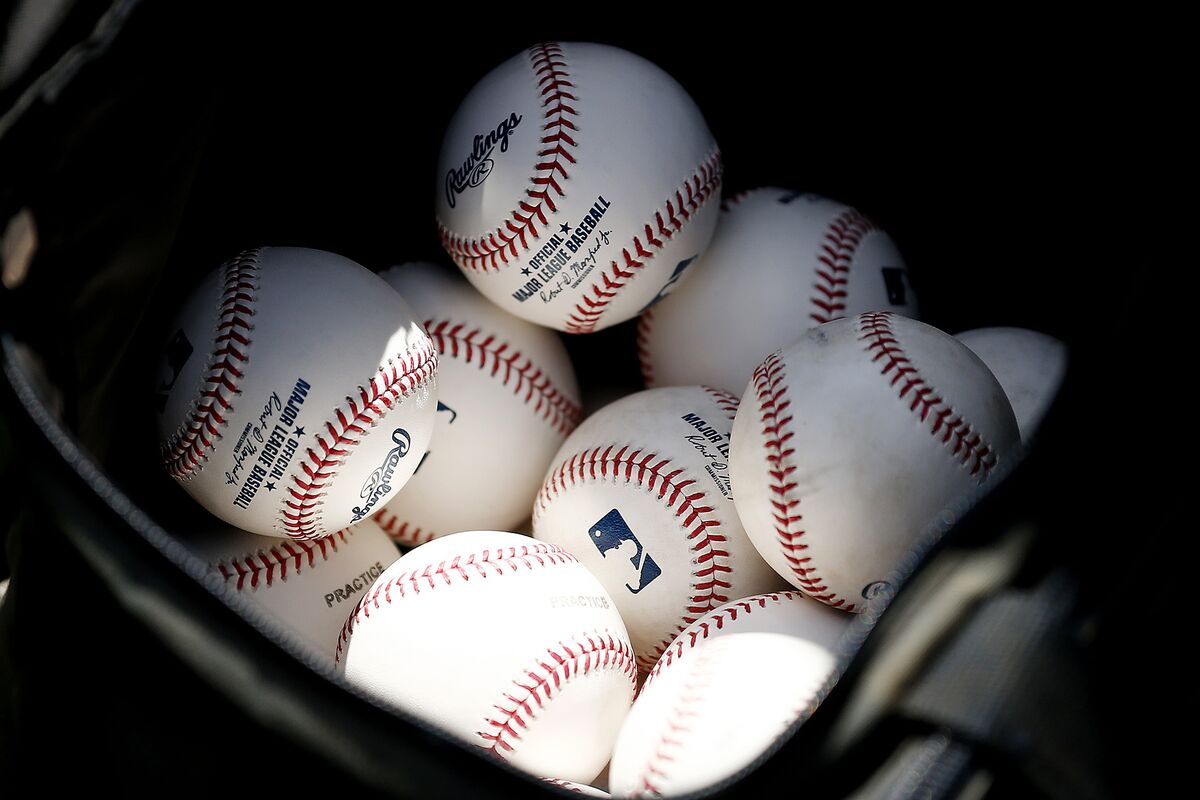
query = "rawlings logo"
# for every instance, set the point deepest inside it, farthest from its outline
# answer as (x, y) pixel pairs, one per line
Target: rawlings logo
(379, 482)
(479, 164)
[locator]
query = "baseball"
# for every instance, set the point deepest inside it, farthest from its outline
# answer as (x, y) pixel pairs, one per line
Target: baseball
(1029, 365)
(308, 586)
(727, 688)
(849, 443)
(577, 788)
(504, 641)
(297, 393)
(640, 494)
(786, 260)
(507, 398)
(577, 182)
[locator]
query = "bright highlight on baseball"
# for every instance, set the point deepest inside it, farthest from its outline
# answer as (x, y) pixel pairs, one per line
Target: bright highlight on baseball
(297, 393)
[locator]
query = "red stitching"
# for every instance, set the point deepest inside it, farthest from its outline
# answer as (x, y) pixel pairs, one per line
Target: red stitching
(967, 446)
(645, 324)
(726, 401)
(834, 256)
(715, 622)
(513, 369)
(558, 131)
(680, 493)
(770, 385)
(190, 445)
(404, 373)
(537, 686)
(696, 690)
(263, 565)
(568, 785)
(398, 529)
(735, 200)
(666, 222)
(488, 563)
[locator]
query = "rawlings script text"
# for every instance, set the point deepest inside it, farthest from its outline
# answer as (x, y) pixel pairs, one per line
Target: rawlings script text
(478, 165)
(379, 482)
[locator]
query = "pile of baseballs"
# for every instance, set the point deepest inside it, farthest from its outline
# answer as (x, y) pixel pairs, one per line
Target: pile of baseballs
(659, 587)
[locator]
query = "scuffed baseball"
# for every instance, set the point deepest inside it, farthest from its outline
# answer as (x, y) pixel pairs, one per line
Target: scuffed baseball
(849, 443)
(504, 641)
(640, 494)
(307, 586)
(576, 183)
(727, 688)
(507, 398)
(1029, 365)
(298, 392)
(779, 263)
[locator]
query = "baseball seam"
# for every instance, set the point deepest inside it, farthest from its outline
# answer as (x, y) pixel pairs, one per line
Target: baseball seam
(835, 254)
(684, 722)
(644, 326)
(510, 366)
(655, 474)
(561, 664)
(496, 562)
(678, 723)
(400, 530)
(404, 373)
(770, 386)
(262, 565)
(666, 222)
(737, 199)
(185, 451)
(726, 401)
(967, 446)
(555, 88)
(718, 620)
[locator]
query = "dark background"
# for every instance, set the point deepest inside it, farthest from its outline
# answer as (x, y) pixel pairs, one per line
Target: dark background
(1018, 164)
(1005, 166)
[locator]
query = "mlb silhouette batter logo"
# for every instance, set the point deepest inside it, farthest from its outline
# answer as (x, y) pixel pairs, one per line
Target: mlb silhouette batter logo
(610, 533)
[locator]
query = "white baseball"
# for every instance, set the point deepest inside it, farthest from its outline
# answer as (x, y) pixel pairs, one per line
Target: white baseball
(1029, 365)
(578, 788)
(504, 641)
(507, 398)
(298, 393)
(307, 586)
(729, 686)
(640, 494)
(576, 183)
(849, 444)
(786, 260)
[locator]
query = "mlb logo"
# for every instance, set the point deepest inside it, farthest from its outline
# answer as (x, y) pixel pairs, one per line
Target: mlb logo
(609, 533)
